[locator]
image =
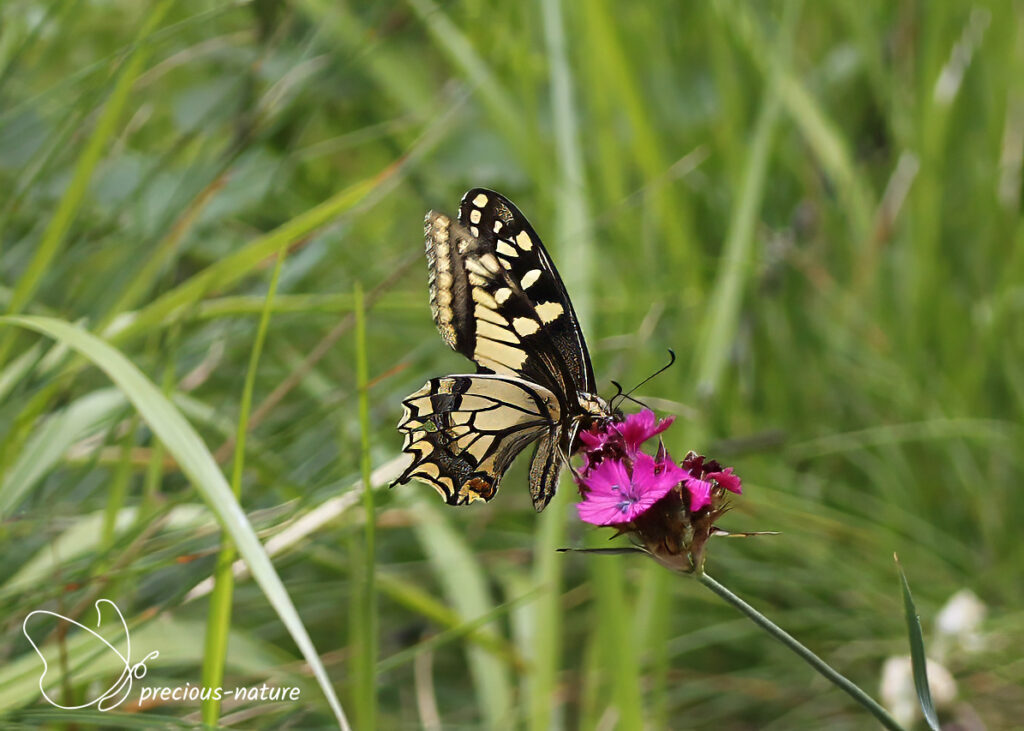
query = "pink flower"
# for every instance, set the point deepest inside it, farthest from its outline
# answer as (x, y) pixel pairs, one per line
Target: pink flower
(702, 476)
(700, 492)
(615, 495)
(638, 428)
(594, 440)
(727, 479)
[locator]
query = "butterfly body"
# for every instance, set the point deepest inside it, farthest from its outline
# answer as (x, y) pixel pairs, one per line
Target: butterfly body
(497, 298)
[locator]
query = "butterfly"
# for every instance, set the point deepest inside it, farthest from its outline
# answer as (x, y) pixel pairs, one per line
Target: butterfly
(496, 298)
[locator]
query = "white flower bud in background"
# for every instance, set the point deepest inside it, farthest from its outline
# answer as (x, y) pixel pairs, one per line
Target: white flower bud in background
(959, 622)
(899, 695)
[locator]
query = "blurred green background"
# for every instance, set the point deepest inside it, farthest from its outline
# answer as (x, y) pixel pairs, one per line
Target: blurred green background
(816, 205)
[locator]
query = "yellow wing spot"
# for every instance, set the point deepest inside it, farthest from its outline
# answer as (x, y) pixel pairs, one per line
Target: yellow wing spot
(525, 326)
(476, 267)
(497, 226)
(507, 249)
(502, 295)
(487, 330)
(529, 278)
(549, 311)
(480, 201)
(475, 231)
(475, 215)
(437, 226)
(490, 262)
(524, 241)
(500, 353)
(483, 297)
(483, 313)
(421, 404)
(480, 447)
(424, 449)
(441, 248)
(430, 469)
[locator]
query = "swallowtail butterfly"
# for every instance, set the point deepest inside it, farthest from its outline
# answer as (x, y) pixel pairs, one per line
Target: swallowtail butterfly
(497, 299)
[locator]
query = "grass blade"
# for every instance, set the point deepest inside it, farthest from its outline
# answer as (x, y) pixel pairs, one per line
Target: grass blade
(465, 588)
(917, 654)
(366, 673)
(235, 266)
(573, 229)
(218, 623)
(52, 439)
(71, 201)
(198, 464)
(722, 320)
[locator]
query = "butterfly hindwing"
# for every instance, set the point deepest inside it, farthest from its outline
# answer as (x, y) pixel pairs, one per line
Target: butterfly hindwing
(464, 431)
(545, 469)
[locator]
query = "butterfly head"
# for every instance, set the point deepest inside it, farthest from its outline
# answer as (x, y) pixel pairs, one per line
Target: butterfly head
(595, 410)
(594, 405)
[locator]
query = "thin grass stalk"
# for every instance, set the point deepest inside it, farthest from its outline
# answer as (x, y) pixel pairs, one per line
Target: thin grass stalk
(721, 322)
(615, 641)
(118, 486)
(366, 702)
(823, 668)
(155, 468)
(218, 621)
(573, 233)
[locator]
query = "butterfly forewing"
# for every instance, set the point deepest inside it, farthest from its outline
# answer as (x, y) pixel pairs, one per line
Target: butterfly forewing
(498, 299)
(464, 431)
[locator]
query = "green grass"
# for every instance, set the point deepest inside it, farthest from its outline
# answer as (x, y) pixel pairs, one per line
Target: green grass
(817, 206)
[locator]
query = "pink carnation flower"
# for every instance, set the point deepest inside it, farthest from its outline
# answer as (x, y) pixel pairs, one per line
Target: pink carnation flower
(617, 495)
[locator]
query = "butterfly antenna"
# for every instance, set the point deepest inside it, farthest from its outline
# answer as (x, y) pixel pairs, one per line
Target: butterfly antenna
(635, 401)
(672, 359)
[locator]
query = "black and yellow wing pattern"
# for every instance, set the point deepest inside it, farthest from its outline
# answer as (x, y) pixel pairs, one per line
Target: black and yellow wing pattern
(497, 298)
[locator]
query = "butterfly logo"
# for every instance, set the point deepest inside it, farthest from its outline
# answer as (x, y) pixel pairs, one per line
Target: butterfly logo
(116, 694)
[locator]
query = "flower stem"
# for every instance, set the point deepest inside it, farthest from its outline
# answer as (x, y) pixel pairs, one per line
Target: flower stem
(813, 660)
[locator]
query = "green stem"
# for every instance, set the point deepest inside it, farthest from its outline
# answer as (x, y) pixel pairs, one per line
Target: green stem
(813, 660)
(367, 672)
(218, 621)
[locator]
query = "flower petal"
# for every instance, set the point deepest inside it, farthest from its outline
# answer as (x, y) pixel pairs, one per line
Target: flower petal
(654, 479)
(638, 428)
(593, 439)
(727, 479)
(601, 512)
(609, 478)
(700, 493)
(610, 496)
